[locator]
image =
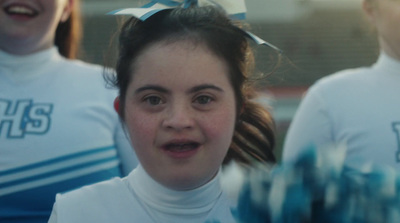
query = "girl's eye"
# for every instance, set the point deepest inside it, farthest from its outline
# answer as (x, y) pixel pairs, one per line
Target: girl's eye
(153, 100)
(203, 99)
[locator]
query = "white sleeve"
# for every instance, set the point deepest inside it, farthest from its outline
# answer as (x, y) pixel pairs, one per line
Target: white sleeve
(126, 153)
(311, 126)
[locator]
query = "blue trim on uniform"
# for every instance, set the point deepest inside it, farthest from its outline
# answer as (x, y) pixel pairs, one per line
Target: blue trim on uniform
(59, 172)
(13, 207)
(56, 160)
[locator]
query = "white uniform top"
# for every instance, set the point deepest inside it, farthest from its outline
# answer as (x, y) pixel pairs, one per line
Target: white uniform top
(138, 198)
(58, 131)
(359, 108)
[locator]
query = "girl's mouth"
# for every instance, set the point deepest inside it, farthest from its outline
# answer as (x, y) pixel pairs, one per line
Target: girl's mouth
(181, 150)
(181, 147)
(20, 10)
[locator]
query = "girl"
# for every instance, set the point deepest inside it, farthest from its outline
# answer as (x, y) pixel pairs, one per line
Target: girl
(185, 97)
(357, 107)
(58, 130)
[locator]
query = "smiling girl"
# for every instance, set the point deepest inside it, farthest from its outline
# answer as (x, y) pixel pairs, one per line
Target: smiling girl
(58, 128)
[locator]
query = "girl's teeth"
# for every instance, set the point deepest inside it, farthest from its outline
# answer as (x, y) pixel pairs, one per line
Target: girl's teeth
(20, 10)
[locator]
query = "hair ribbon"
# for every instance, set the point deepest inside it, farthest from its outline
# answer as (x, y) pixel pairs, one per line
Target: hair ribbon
(236, 9)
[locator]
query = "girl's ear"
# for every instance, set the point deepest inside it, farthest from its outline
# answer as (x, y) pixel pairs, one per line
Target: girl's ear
(69, 5)
(116, 104)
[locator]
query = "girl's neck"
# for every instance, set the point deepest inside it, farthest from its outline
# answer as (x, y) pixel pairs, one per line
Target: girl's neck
(392, 50)
(27, 67)
(24, 48)
(157, 196)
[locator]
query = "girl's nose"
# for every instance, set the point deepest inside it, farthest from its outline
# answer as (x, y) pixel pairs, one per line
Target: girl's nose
(178, 117)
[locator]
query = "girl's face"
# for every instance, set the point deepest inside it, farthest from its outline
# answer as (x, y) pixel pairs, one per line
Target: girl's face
(180, 113)
(385, 16)
(28, 26)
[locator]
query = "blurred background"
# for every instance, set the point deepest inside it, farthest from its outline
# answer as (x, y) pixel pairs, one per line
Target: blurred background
(318, 37)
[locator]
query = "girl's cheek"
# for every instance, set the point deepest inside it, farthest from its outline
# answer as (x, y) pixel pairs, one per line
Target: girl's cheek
(143, 125)
(221, 125)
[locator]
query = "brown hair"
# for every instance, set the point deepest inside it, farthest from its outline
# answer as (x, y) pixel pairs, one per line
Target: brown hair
(69, 33)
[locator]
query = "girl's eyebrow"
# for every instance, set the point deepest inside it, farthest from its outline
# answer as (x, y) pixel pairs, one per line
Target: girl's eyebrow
(151, 87)
(203, 87)
(164, 90)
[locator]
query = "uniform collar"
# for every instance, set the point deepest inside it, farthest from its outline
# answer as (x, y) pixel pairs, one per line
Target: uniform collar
(190, 202)
(27, 67)
(387, 63)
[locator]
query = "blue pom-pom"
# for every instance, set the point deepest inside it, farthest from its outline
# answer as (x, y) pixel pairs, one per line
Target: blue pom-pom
(318, 188)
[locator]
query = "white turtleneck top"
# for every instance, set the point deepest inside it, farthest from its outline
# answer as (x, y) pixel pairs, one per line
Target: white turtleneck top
(58, 131)
(359, 108)
(138, 198)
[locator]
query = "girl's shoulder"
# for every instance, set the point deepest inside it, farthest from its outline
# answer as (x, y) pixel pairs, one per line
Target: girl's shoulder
(93, 192)
(82, 67)
(101, 202)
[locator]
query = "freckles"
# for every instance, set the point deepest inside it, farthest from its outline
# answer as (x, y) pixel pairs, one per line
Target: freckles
(142, 133)
(135, 121)
(221, 124)
(142, 125)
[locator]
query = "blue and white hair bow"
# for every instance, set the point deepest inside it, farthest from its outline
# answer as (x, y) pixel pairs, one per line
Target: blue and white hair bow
(234, 8)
